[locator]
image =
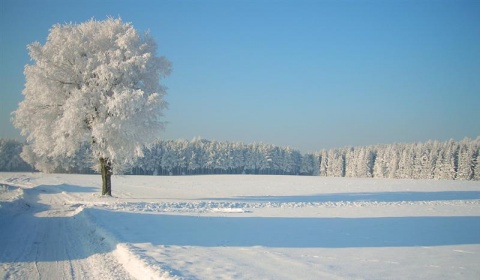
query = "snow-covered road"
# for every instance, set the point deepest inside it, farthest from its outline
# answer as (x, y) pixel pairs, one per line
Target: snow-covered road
(42, 238)
(237, 227)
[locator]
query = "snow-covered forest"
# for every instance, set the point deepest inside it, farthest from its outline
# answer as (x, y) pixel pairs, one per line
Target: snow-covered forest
(451, 160)
(200, 156)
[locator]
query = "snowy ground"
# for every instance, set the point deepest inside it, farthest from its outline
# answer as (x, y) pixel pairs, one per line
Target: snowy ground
(237, 227)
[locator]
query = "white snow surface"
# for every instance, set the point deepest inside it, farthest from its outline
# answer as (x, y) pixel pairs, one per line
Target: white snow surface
(237, 227)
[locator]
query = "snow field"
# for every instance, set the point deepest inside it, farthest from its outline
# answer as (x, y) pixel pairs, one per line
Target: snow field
(242, 227)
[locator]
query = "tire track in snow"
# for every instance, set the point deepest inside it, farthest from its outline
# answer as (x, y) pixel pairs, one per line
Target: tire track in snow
(42, 237)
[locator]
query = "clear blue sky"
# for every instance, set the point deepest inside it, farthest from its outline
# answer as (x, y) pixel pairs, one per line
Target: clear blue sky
(305, 74)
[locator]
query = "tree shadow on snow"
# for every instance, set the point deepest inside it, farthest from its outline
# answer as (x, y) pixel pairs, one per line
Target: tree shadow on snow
(207, 231)
(364, 197)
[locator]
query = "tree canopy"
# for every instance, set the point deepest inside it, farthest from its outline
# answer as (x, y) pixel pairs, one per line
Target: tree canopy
(94, 85)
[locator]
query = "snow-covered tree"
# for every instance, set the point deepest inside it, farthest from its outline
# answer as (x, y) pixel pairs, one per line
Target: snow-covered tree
(467, 155)
(386, 161)
(336, 163)
(476, 168)
(93, 84)
(445, 167)
(309, 165)
(350, 161)
(323, 156)
(425, 160)
(10, 159)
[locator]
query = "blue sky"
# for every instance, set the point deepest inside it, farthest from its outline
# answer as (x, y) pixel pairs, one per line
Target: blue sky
(305, 74)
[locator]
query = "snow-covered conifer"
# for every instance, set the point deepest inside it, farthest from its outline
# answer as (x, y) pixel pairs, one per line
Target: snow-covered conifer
(308, 165)
(466, 160)
(476, 168)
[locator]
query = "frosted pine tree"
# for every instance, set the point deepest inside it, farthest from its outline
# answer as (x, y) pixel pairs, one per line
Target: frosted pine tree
(94, 84)
(467, 155)
(380, 169)
(350, 162)
(309, 165)
(445, 166)
(323, 163)
(425, 160)
(476, 168)
(336, 160)
(406, 162)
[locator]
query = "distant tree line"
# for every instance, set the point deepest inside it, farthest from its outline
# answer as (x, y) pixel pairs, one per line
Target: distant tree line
(179, 157)
(200, 156)
(451, 160)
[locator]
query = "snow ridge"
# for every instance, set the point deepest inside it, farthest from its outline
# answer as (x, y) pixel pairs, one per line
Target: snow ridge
(136, 263)
(241, 207)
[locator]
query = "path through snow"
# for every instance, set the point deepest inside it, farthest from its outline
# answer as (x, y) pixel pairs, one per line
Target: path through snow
(42, 237)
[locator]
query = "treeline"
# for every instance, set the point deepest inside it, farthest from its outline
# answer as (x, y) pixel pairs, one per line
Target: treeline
(451, 160)
(179, 157)
(200, 156)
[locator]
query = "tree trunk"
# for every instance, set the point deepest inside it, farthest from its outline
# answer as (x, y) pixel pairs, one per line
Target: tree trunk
(106, 168)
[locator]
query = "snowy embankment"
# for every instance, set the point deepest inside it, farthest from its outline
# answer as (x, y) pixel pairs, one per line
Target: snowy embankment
(238, 227)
